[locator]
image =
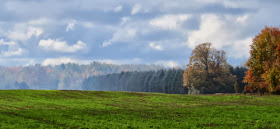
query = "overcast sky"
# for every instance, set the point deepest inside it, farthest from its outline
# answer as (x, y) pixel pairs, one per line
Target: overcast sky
(128, 31)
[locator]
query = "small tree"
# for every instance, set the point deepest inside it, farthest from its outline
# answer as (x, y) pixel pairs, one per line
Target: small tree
(236, 88)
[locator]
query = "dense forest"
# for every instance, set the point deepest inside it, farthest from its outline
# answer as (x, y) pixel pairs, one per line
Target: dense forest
(64, 76)
(162, 81)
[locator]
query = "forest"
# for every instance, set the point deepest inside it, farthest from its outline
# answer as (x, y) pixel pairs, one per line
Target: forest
(65, 76)
(168, 81)
(161, 81)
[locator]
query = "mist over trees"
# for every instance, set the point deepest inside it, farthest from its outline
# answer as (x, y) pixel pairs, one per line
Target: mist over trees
(208, 71)
(64, 76)
(161, 81)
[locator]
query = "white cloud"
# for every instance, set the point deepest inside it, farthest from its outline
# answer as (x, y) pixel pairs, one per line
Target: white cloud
(17, 61)
(2, 42)
(124, 20)
(87, 24)
(136, 9)
(170, 21)
(242, 19)
(156, 47)
(13, 49)
(40, 21)
(240, 48)
(63, 60)
(222, 33)
(118, 8)
(61, 46)
(211, 30)
(17, 52)
(121, 35)
(24, 32)
(70, 26)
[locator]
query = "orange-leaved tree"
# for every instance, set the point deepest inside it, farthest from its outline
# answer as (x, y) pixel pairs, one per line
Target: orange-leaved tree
(264, 62)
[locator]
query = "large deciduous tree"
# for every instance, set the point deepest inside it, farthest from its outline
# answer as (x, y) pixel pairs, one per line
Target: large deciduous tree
(208, 71)
(264, 63)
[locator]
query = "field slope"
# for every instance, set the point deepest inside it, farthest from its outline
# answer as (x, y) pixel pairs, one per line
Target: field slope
(95, 109)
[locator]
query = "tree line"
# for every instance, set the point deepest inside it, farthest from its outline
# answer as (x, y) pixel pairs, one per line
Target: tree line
(162, 81)
(64, 76)
(209, 72)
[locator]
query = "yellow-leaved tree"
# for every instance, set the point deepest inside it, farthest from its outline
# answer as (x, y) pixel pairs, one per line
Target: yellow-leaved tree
(264, 62)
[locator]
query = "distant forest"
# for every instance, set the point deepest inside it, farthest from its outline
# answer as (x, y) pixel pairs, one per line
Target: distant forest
(162, 81)
(65, 76)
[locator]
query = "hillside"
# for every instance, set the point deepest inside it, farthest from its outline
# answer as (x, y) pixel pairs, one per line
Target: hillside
(97, 109)
(64, 76)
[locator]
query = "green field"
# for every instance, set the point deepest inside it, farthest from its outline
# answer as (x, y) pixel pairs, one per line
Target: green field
(96, 109)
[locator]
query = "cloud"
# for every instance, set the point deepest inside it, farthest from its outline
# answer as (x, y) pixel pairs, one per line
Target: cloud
(12, 50)
(17, 52)
(63, 60)
(17, 61)
(121, 35)
(118, 8)
(124, 20)
(70, 25)
(87, 24)
(136, 9)
(242, 19)
(40, 21)
(156, 47)
(240, 48)
(61, 46)
(2, 42)
(222, 33)
(170, 21)
(24, 32)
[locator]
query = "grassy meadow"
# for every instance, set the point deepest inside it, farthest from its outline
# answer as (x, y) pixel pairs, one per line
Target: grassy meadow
(97, 109)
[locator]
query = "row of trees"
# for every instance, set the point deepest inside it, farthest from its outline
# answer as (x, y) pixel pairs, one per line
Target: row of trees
(208, 71)
(64, 76)
(162, 81)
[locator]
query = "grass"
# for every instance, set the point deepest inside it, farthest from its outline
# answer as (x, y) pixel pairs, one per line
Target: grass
(96, 109)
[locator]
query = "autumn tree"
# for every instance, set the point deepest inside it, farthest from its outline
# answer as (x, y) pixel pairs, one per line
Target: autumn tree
(264, 63)
(208, 71)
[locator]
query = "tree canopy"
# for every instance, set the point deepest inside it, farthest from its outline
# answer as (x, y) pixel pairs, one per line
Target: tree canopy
(264, 62)
(208, 71)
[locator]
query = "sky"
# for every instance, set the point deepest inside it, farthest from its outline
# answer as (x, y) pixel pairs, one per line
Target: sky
(161, 32)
